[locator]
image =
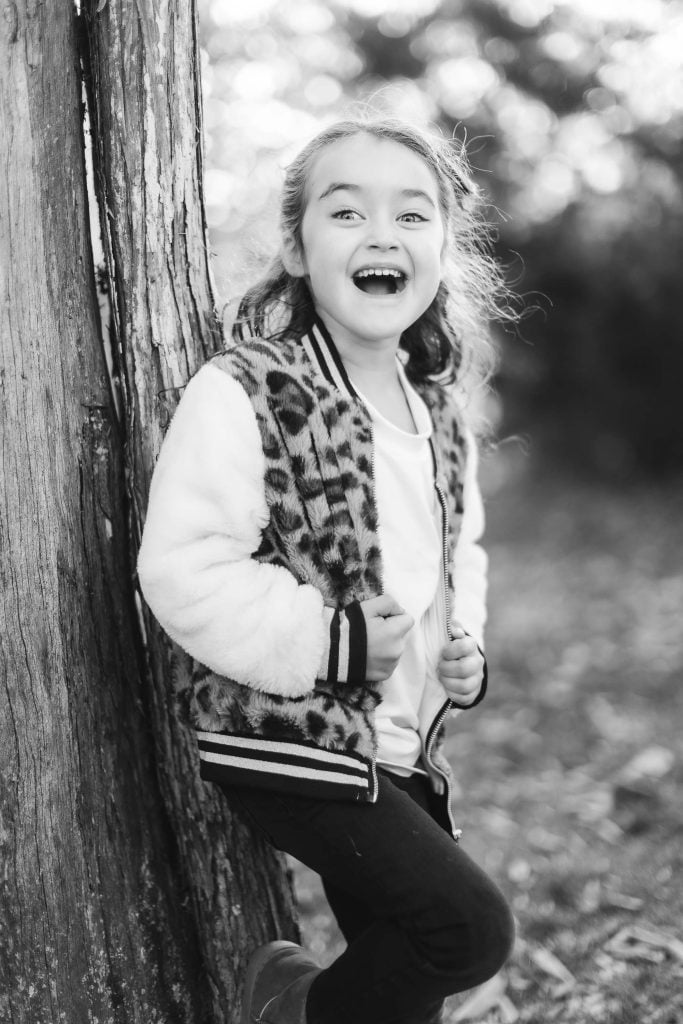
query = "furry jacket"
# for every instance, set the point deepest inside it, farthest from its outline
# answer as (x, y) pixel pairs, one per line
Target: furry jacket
(261, 540)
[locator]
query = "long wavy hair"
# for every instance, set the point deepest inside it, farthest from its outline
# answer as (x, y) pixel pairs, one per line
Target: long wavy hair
(450, 341)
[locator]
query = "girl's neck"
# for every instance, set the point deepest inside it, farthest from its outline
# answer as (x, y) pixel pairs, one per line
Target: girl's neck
(370, 360)
(374, 372)
(371, 369)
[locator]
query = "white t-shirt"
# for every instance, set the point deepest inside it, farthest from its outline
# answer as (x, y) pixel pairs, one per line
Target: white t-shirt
(410, 534)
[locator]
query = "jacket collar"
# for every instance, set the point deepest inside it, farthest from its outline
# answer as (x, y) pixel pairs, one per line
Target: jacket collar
(323, 353)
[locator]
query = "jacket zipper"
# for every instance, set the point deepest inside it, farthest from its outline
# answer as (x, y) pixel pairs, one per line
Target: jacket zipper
(374, 492)
(374, 785)
(374, 789)
(436, 724)
(444, 552)
(438, 721)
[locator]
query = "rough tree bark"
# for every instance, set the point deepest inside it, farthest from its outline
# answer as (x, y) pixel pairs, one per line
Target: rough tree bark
(127, 891)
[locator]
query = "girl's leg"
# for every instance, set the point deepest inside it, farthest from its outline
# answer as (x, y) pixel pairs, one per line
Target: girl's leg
(352, 915)
(440, 925)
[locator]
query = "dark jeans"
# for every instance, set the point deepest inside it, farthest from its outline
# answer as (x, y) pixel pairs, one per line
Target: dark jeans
(421, 920)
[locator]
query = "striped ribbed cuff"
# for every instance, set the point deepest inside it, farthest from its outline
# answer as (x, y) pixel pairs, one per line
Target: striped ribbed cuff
(358, 644)
(344, 656)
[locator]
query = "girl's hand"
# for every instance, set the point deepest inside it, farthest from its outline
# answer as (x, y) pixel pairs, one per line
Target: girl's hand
(387, 626)
(461, 667)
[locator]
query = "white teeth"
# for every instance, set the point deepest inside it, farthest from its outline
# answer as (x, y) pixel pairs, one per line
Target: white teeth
(379, 272)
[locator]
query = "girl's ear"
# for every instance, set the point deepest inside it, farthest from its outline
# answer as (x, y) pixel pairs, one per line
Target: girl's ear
(292, 257)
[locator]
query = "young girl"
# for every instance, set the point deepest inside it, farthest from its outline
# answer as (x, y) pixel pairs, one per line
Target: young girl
(312, 541)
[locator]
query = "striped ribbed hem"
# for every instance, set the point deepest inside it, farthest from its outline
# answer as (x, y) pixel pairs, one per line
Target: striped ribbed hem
(284, 766)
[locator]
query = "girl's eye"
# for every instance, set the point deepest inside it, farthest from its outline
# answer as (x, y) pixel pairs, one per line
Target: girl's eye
(345, 214)
(413, 218)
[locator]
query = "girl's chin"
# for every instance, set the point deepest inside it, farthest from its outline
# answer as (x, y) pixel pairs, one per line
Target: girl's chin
(376, 334)
(383, 319)
(372, 321)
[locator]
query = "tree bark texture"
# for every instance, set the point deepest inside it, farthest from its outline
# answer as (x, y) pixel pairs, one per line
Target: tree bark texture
(145, 101)
(127, 892)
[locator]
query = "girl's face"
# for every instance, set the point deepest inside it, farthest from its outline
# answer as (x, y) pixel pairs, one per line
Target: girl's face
(373, 237)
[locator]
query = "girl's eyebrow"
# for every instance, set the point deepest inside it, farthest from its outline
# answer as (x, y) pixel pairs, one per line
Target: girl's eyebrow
(408, 193)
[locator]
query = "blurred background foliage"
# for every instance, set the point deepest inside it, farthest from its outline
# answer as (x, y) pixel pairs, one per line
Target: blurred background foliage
(573, 112)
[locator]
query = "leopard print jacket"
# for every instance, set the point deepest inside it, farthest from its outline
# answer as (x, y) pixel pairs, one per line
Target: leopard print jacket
(317, 441)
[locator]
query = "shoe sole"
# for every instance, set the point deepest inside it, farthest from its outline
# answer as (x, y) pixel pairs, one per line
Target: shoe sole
(257, 963)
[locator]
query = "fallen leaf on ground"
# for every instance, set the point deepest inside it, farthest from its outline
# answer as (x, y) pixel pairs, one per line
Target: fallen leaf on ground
(508, 1011)
(549, 964)
(542, 839)
(623, 902)
(591, 805)
(636, 943)
(591, 896)
(652, 762)
(488, 997)
(519, 870)
(608, 967)
(609, 830)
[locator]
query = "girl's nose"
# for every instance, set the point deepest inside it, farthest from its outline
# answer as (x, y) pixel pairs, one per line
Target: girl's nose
(382, 236)
(383, 246)
(383, 241)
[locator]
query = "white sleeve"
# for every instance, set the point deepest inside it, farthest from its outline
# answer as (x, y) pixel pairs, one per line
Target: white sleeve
(470, 561)
(241, 618)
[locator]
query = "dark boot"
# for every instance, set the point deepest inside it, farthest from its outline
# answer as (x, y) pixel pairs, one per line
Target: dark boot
(279, 976)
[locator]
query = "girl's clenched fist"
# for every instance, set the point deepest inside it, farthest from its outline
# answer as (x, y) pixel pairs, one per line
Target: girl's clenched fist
(461, 667)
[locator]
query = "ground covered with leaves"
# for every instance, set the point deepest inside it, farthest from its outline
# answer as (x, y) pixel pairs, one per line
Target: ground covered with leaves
(569, 773)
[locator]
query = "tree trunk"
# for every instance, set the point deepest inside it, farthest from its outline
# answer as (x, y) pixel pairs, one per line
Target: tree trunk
(128, 893)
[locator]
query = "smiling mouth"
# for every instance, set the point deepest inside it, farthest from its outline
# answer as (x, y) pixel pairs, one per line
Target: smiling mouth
(380, 281)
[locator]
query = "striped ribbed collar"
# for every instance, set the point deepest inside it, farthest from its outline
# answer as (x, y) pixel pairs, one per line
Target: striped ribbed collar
(323, 353)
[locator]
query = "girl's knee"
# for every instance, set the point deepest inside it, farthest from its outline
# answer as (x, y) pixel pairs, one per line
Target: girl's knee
(495, 939)
(474, 942)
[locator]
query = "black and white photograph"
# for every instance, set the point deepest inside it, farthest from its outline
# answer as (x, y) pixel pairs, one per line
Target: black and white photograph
(341, 511)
